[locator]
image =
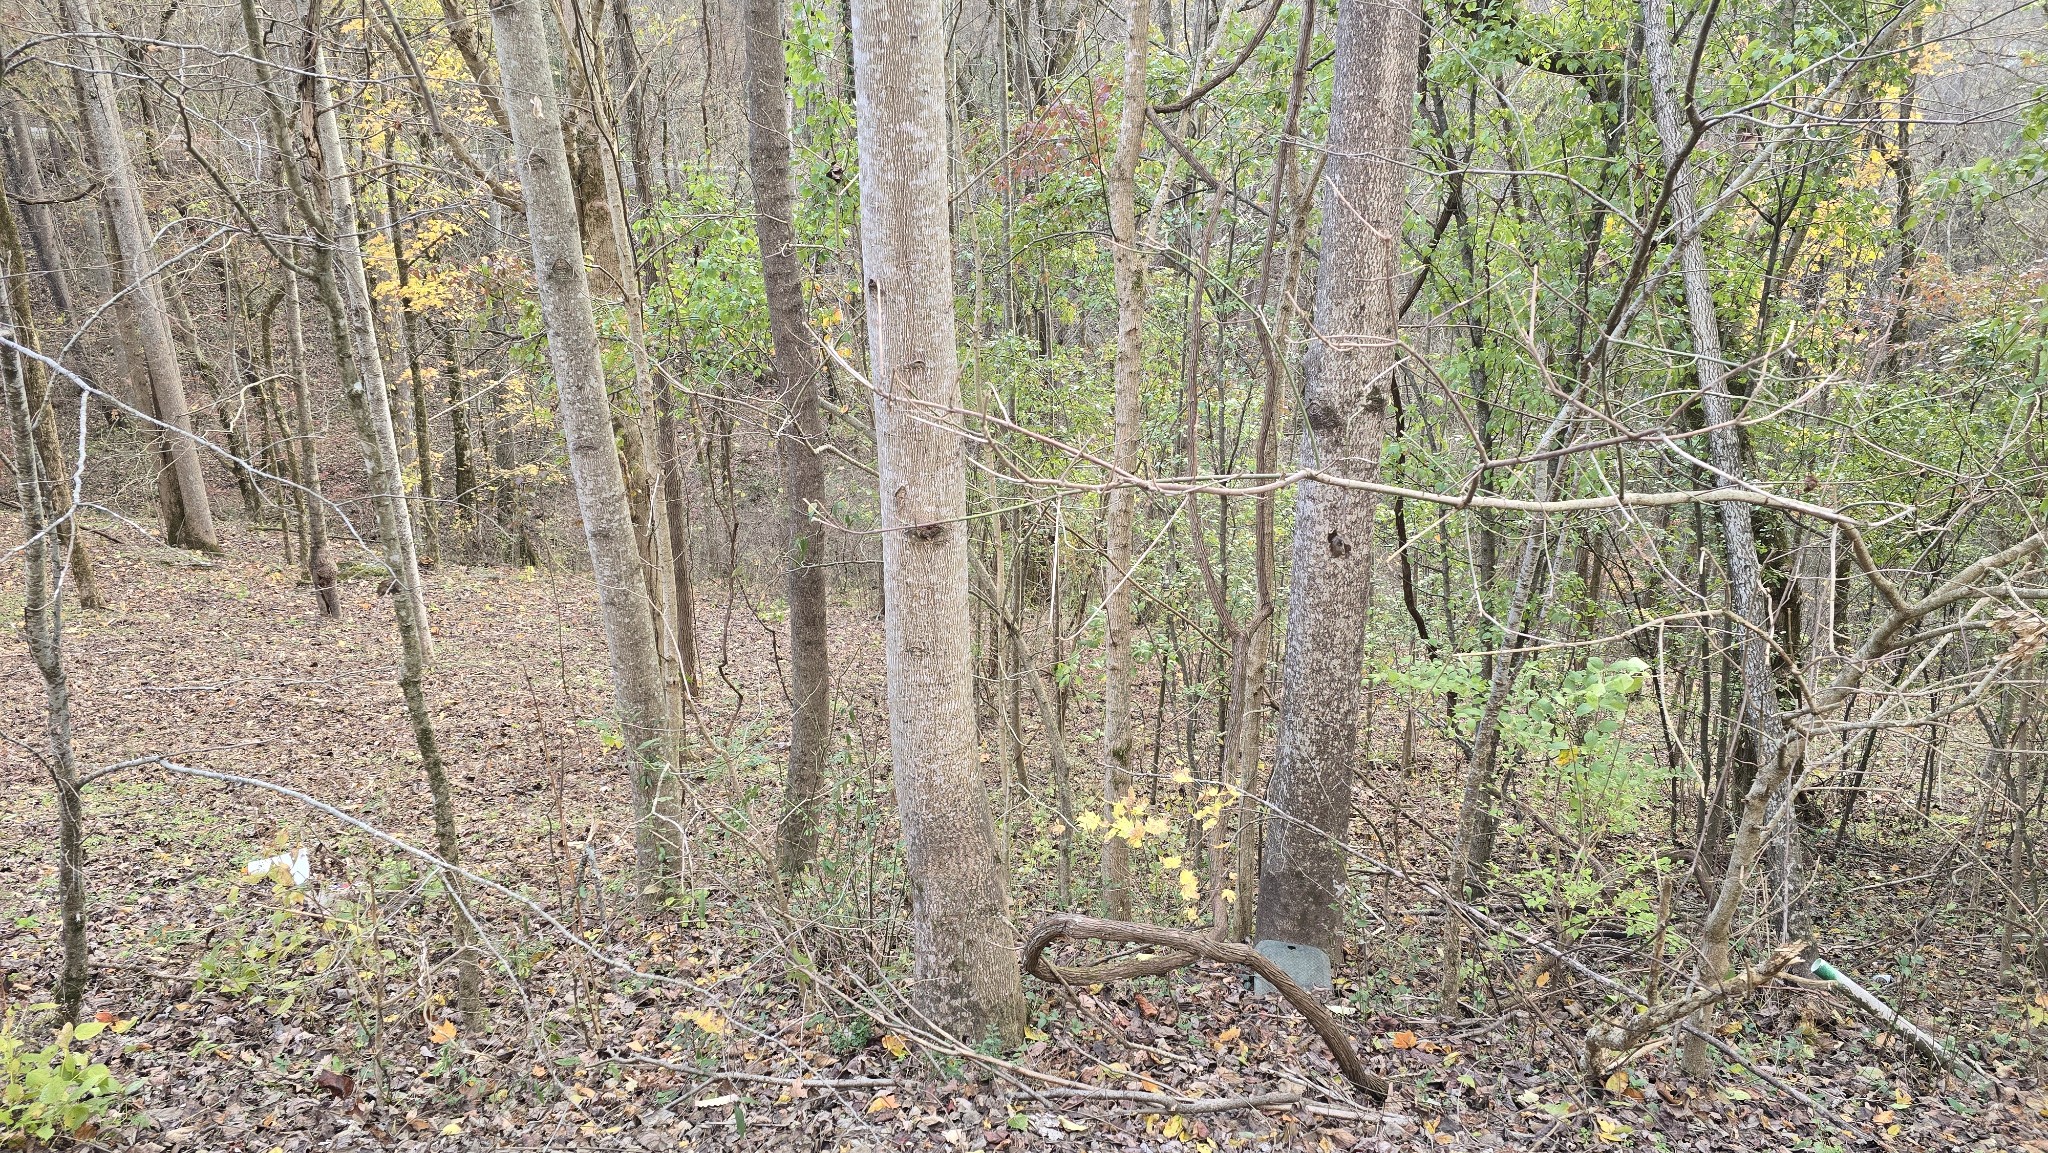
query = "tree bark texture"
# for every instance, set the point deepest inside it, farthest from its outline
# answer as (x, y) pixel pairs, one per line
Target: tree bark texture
(964, 946)
(639, 694)
(43, 622)
(1128, 268)
(802, 430)
(137, 264)
(1348, 378)
(26, 174)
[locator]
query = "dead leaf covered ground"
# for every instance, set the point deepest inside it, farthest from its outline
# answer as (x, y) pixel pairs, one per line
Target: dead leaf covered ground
(250, 1013)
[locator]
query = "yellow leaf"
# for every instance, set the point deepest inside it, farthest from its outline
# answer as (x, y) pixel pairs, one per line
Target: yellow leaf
(1190, 885)
(441, 1032)
(882, 1101)
(1229, 1035)
(1543, 979)
(1182, 777)
(1617, 1082)
(897, 1046)
(1403, 1040)
(705, 1020)
(451, 1129)
(1073, 1126)
(1901, 1098)
(1032, 1033)
(1174, 1127)
(1089, 821)
(1168, 864)
(1612, 1130)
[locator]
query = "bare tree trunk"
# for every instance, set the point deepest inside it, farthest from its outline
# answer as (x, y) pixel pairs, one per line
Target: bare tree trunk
(43, 616)
(640, 696)
(802, 431)
(43, 233)
(42, 423)
(676, 507)
(369, 398)
(345, 293)
(409, 333)
(319, 557)
(461, 452)
(964, 947)
(1128, 259)
(1347, 379)
(194, 528)
(1760, 707)
(591, 139)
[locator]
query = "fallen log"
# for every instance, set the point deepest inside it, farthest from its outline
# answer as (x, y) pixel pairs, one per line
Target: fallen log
(1184, 948)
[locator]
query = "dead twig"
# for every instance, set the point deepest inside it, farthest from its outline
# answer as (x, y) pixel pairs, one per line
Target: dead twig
(1626, 1037)
(1185, 948)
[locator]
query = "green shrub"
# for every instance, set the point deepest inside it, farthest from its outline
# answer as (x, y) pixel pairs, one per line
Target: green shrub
(56, 1090)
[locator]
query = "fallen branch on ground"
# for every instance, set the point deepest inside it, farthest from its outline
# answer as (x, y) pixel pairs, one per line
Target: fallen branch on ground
(1929, 1045)
(1625, 1038)
(1185, 948)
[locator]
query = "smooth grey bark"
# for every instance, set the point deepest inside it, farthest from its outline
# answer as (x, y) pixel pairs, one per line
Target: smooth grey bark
(640, 697)
(137, 267)
(1347, 379)
(590, 140)
(964, 948)
(1128, 271)
(801, 433)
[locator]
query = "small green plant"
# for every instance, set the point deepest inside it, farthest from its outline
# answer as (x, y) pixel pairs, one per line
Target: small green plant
(56, 1090)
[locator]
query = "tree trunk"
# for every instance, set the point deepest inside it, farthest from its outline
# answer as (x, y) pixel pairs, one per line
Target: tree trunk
(460, 451)
(640, 696)
(194, 528)
(802, 430)
(369, 398)
(965, 950)
(43, 232)
(43, 621)
(319, 558)
(345, 294)
(1347, 378)
(409, 333)
(1760, 707)
(1128, 258)
(73, 559)
(590, 138)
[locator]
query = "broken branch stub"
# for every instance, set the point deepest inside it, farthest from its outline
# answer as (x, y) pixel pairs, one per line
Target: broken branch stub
(1184, 948)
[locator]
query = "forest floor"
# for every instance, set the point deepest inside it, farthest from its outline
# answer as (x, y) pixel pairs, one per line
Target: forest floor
(249, 1013)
